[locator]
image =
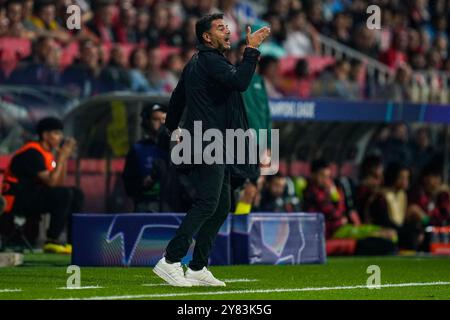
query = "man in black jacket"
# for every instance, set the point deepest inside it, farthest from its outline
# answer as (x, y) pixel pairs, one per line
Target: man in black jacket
(209, 91)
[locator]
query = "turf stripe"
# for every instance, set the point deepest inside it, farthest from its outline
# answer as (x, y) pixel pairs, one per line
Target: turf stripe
(213, 293)
(10, 290)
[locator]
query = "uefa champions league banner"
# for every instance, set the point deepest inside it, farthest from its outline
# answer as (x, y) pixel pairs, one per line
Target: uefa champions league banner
(278, 238)
(359, 111)
(133, 239)
(140, 239)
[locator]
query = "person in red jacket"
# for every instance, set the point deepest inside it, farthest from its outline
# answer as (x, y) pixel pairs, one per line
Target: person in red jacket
(323, 196)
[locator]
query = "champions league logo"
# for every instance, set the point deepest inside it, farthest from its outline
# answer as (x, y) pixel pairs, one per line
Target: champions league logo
(131, 231)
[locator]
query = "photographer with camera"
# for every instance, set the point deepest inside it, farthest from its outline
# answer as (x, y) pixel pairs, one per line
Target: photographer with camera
(146, 162)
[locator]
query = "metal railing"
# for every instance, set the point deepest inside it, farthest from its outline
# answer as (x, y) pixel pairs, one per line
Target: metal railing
(424, 87)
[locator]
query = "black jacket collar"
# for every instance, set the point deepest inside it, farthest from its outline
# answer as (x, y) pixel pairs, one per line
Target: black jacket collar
(202, 47)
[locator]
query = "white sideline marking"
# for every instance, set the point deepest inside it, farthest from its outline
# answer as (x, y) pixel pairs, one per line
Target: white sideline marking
(10, 290)
(80, 288)
(225, 280)
(184, 294)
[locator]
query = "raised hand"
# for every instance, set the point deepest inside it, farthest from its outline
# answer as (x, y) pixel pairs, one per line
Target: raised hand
(255, 39)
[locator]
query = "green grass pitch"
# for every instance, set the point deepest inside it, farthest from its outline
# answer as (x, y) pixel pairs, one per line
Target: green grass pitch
(44, 277)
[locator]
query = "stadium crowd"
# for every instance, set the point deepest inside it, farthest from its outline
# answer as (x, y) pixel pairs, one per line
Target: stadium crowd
(142, 45)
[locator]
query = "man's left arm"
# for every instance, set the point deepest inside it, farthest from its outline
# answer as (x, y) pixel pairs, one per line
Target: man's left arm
(234, 77)
(176, 105)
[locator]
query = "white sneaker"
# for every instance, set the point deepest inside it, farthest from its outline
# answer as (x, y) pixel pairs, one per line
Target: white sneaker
(203, 277)
(172, 273)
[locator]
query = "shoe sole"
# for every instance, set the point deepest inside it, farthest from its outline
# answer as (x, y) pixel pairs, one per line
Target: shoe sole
(200, 283)
(167, 278)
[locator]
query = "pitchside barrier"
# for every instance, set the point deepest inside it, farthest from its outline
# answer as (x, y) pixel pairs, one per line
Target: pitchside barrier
(140, 239)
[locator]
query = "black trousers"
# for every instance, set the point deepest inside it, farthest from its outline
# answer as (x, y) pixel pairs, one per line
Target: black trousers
(60, 202)
(210, 208)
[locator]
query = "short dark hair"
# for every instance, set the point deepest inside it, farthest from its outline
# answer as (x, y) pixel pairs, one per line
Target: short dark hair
(319, 164)
(41, 4)
(265, 62)
(392, 173)
(48, 124)
(204, 24)
(368, 165)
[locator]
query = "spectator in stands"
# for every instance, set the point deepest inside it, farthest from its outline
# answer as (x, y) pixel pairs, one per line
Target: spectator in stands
(370, 181)
(138, 64)
(173, 66)
(396, 55)
(44, 21)
(340, 29)
(421, 151)
(83, 77)
(429, 201)
(15, 27)
(102, 25)
(38, 69)
(399, 90)
(300, 41)
(125, 29)
(364, 40)
(322, 195)
(157, 77)
(299, 86)
(34, 182)
(395, 148)
(145, 162)
(356, 79)
(143, 33)
(159, 25)
(273, 46)
(115, 76)
(269, 70)
(275, 198)
(336, 84)
(388, 208)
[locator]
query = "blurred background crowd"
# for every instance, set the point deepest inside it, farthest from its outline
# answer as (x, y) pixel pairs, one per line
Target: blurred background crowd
(317, 48)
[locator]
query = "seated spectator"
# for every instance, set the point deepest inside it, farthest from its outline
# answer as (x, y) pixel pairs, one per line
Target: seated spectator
(173, 66)
(83, 77)
(370, 181)
(421, 151)
(399, 90)
(142, 29)
(429, 202)
(269, 70)
(158, 78)
(34, 179)
(44, 21)
(125, 31)
(322, 196)
(336, 84)
(275, 198)
(396, 55)
(40, 68)
(138, 66)
(301, 85)
(15, 27)
(115, 76)
(388, 208)
(145, 163)
(102, 25)
(396, 148)
(300, 36)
